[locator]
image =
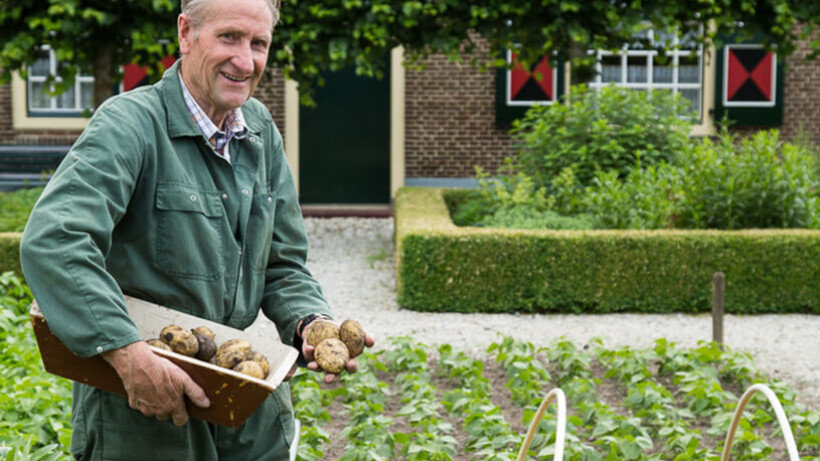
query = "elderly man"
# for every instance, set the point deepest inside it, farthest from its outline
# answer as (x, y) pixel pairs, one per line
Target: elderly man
(177, 193)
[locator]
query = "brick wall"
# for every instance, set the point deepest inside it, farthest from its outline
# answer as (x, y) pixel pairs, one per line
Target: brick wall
(801, 89)
(271, 92)
(450, 120)
(6, 126)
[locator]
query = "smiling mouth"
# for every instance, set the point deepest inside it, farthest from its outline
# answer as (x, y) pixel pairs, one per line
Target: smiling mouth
(234, 78)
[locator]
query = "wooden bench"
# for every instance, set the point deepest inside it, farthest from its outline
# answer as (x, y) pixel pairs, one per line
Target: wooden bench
(28, 166)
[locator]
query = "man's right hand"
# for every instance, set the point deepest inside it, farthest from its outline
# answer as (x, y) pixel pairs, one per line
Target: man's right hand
(155, 386)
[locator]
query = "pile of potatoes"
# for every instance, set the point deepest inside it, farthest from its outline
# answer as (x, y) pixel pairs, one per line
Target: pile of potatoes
(335, 345)
(200, 343)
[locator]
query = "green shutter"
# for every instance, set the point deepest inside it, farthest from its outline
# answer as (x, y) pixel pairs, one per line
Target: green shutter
(749, 85)
(506, 110)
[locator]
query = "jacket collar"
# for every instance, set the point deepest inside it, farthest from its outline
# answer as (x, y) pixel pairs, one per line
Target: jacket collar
(178, 118)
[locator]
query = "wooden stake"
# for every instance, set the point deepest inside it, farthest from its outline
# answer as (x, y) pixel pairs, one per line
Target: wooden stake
(718, 290)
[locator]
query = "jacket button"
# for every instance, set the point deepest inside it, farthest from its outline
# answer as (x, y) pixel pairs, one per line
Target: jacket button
(253, 139)
(224, 196)
(193, 198)
(270, 199)
(245, 191)
(99, 349)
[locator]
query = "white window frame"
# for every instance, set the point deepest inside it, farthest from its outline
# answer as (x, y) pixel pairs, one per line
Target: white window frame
(77, 110)
(675, 86)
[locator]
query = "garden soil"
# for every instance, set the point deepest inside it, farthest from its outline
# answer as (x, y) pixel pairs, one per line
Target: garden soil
(353, 259)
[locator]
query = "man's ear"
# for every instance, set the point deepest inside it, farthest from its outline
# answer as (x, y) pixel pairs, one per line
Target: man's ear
(185, 33)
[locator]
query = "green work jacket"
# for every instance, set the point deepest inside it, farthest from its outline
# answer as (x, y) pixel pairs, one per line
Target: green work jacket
(143, 206)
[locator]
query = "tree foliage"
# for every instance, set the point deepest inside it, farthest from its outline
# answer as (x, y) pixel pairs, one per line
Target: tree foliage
(313, 37)
(95, 36)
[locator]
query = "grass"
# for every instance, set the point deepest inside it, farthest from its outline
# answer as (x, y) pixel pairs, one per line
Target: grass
(15, 208)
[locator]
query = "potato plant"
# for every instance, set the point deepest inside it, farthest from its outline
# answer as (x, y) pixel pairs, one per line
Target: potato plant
(34, 406)
(660, 403)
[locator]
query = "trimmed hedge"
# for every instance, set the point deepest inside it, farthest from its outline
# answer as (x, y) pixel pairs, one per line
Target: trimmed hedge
(10, 252)
(442, 267)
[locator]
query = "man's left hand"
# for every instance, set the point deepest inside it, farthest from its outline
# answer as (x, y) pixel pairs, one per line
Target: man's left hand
(307, 352)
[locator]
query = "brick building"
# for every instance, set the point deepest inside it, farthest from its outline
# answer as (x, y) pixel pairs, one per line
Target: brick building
(366, 138)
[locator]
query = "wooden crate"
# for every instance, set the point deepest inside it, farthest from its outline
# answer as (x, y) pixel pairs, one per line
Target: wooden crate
(234, 396)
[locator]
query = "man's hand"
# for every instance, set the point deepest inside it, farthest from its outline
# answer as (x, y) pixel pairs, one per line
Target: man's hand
(155, 386)
(352, 364)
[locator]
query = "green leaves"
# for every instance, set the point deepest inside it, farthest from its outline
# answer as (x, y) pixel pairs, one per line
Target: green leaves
(645, 418)
(34, 406)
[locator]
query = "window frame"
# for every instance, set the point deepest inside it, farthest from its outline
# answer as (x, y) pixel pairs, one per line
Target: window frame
(53, 110)
(674, 55)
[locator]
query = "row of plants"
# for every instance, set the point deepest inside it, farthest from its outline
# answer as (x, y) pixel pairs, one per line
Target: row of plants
(669, 404)
(622, 159)
(35, 407)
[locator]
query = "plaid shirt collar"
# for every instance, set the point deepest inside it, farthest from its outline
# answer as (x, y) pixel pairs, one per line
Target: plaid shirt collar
(219, 140)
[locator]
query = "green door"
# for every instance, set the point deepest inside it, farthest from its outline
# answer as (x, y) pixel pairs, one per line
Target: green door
(344, 142)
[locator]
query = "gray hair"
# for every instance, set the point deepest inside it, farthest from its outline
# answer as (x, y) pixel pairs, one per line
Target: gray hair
(196, 10)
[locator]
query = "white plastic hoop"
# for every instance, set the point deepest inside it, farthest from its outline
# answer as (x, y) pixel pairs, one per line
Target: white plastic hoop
(778, 411)
(555, 394)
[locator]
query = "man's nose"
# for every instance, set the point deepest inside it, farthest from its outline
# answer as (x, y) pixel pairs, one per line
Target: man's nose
(243, 58)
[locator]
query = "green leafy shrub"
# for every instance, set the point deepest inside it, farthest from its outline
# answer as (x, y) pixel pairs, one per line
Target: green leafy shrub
(514, 201)
(604, 130)
(526, 218)
(757, 182)
(470, 269)
(646, 199)
(497, 194)
(15, 207)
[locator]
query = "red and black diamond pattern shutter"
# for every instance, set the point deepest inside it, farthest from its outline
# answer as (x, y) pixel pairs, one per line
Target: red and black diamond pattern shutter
(134, 76)
(519, 88)
(749, 88)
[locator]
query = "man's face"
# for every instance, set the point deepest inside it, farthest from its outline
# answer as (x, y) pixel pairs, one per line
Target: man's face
(224, 61)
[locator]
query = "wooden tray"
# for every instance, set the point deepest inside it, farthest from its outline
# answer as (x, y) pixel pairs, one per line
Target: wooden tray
(234, 396)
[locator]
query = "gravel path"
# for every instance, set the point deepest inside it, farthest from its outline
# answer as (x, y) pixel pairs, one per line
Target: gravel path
(354, 261)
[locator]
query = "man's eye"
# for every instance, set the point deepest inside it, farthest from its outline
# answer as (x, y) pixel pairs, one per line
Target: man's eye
(228, 36)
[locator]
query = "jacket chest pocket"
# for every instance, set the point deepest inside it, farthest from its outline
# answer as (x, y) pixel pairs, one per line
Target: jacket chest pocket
(260, 228)
(190, 237)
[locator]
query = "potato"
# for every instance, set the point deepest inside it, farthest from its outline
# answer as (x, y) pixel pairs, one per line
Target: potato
(352, 334)
(156, 342)
(260, 358)
(320, 330)
(202, 330)
(332, 355)
(250, 368)
(231, 352)
(236, 343)
(181, 340)
(207, 347)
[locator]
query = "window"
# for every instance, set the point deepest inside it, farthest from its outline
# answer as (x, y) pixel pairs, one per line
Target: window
(643, 68)
(73, 101)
